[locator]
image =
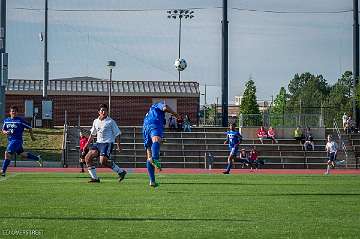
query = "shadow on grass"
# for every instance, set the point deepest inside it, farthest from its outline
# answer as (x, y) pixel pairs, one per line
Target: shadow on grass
(140, 219)
(239, 184)
(268, 195)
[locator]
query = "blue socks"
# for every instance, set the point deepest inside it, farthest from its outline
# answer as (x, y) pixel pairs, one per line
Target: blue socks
(32, 157)
(5, 164)
(151, 171)
(155, 150)
(229, 167)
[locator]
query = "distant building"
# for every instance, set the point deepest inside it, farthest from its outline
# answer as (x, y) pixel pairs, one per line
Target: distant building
(234, 109)
(81, 96)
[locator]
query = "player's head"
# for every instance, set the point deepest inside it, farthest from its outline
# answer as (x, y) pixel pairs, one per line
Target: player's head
(13, 110)
(103, 110)
(232, 126)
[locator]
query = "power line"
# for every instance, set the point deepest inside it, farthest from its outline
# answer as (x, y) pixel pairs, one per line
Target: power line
(105, 10)
(194, 8)
(292, 12)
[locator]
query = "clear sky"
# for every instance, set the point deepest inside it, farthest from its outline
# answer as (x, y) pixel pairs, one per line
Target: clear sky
(269, 40)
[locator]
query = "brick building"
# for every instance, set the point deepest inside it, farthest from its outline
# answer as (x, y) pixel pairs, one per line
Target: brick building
(81, 96)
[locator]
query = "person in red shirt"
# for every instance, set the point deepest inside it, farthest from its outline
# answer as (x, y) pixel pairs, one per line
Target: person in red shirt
(254, 161)
(261, 134)
(253, 158)
(271, 135)
(83, 151)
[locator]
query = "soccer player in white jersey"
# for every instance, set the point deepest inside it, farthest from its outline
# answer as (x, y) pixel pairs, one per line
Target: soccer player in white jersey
(331, 149)
(107, 132)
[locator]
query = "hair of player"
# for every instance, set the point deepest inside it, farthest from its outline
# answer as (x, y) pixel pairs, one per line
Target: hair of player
(14, 107)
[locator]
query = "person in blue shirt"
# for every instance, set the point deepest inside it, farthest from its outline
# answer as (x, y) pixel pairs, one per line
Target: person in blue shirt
(153, 129)
(14, 127)
(233, 139)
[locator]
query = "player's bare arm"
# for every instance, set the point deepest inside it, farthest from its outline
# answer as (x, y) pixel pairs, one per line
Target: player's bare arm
(32, 135)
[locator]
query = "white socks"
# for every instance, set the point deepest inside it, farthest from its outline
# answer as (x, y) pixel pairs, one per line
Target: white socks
(92, 172)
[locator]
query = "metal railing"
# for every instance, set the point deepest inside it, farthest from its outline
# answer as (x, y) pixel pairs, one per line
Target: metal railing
(341, 141)
(281, 120)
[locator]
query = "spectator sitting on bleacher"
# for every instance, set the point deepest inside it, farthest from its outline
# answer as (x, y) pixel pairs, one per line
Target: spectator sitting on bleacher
(298, 135)
(254, 161)
(180, 122)
(243, 158)
(349, 126)
(309, 140)
(261, 134)
(187, 124)
(271, 135)
(172, 122)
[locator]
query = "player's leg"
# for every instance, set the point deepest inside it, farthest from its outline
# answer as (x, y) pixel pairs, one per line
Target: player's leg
(150, 168)
(82, 159)
(105, 152)
(149, 162)
(93, 153)
(155, 151)
(6, 163)
(231, 157)
(28, 155)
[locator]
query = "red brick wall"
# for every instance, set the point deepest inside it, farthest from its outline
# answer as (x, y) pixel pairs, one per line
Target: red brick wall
(125, 110)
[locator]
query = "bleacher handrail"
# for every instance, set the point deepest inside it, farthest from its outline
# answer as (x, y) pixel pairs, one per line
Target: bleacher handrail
(341, 141)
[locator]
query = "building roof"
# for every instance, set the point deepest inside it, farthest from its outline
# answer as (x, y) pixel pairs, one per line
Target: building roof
(94, 86)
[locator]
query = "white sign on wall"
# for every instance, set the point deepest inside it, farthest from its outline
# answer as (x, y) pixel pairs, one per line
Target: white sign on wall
(47, 109)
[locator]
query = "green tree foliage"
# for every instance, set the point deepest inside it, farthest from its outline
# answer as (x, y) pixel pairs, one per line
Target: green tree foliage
(278, 109)
(340, 98)
(249, 105)
(307, 93)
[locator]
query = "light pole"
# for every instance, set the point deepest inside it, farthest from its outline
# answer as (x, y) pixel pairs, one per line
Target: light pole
(110, 65)
(180, 14)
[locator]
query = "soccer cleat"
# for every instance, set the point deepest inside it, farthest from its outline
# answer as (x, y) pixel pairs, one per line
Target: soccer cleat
(94, 180)
(326, 173)
(122, 175)
(40, 161)
(2, 173)
(156, 164)
(341, 162)
(154, 184)
(226, 172)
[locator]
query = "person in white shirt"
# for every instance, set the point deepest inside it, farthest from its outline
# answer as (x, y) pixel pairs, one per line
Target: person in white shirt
(344, 121)
(107, 132)
(331, 149)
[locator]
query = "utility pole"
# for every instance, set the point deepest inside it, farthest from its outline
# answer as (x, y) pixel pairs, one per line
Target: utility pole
(205, 105)
(224, 66)
(3, 57)
(356, 115)
(46, 63)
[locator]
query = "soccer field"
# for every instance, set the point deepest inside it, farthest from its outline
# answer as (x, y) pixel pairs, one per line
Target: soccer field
(64, 205)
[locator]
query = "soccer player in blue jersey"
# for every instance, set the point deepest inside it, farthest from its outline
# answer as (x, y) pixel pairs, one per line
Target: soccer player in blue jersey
(233, 139)
(14, 127)
(153, 129)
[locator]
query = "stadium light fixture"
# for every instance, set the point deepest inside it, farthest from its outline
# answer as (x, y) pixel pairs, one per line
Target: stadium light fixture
(111, 65)
(180, 14)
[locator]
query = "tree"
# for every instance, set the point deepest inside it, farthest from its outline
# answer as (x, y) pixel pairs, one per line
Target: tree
(307, 93)
(340, 99)
(249, 105)
(278, 109)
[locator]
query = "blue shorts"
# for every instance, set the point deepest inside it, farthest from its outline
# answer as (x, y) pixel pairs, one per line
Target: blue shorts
(150, 131)
(15, 146)
(332, 157)
(104, 149)
(233, 151)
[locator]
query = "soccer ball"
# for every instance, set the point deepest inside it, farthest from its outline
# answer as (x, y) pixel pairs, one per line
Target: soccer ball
(180, 64)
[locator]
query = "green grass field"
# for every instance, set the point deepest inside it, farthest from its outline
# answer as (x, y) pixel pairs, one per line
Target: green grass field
(48, 143)
(59, 205)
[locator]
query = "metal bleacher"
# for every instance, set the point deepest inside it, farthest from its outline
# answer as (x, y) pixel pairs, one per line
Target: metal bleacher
(190, 150)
